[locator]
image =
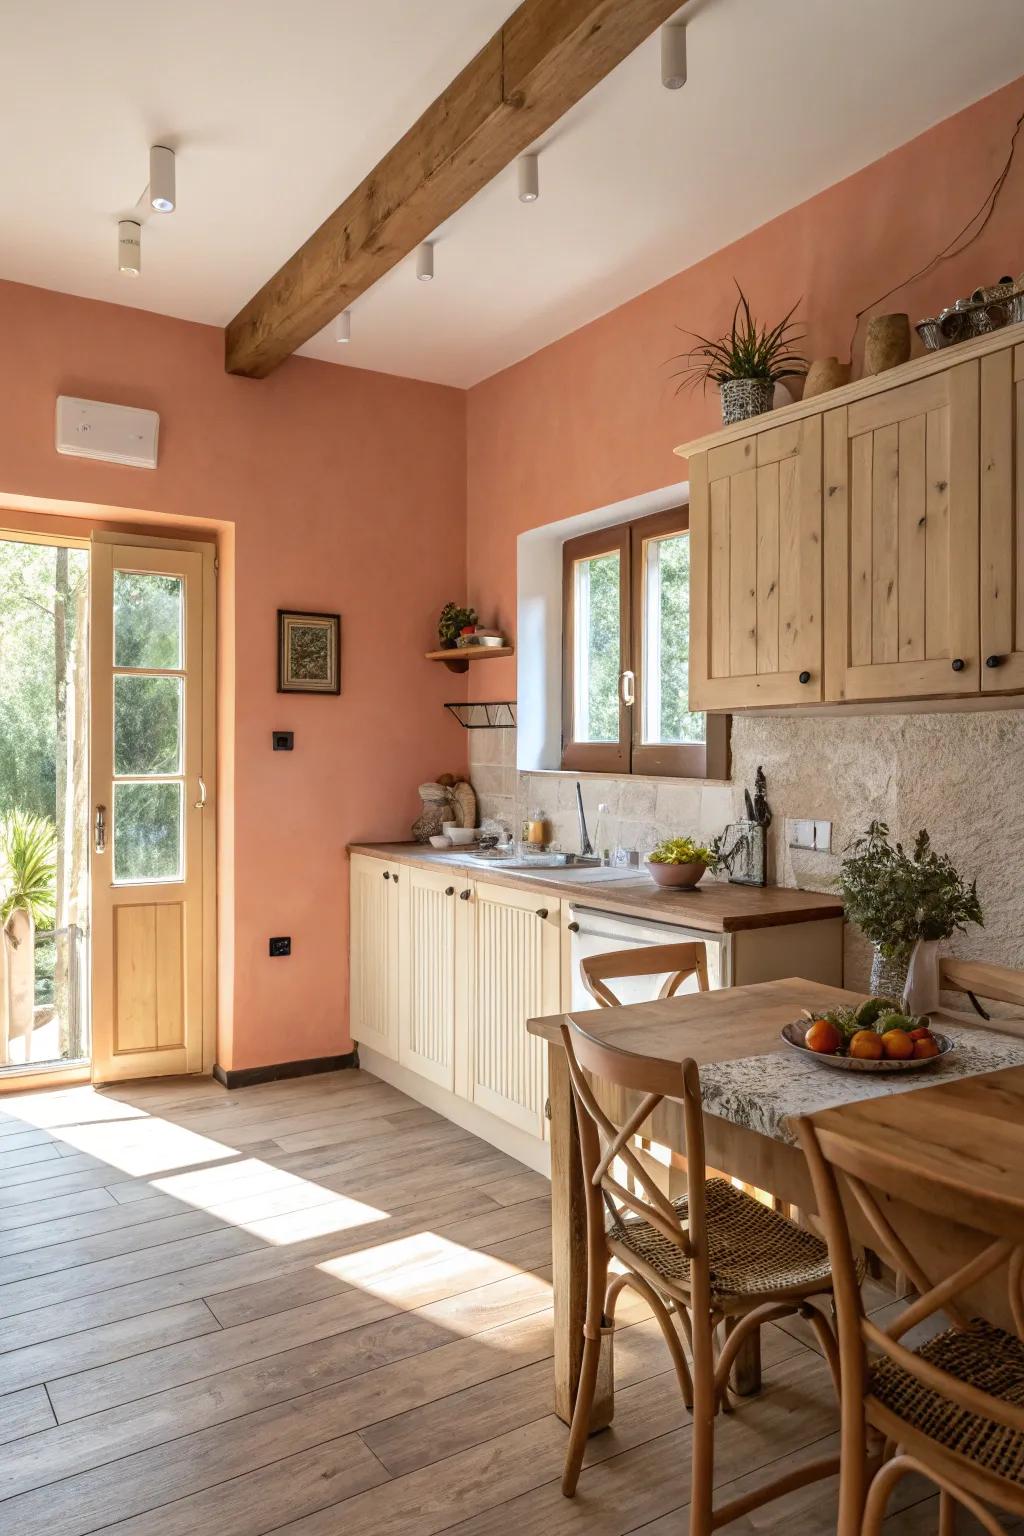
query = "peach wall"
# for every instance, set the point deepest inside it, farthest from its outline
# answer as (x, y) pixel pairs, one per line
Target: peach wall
(332, 489)
(592, 418)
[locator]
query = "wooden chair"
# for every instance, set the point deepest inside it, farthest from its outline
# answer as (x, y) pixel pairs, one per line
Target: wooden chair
(953, 1408)
(681, 961)
(977, 979)
(712, 1257)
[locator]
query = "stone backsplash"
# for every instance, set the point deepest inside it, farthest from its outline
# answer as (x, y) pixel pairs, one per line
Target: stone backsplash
(959, 774)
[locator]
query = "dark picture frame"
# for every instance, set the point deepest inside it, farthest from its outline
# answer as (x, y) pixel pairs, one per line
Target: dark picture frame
(308, 652)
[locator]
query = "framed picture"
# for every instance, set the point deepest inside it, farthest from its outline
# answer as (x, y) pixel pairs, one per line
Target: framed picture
(308, 652)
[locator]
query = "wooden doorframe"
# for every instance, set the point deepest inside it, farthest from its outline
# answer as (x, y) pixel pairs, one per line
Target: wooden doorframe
(208, 551)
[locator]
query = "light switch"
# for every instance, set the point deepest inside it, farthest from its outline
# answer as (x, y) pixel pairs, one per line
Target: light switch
(800, 833)
(823, 836)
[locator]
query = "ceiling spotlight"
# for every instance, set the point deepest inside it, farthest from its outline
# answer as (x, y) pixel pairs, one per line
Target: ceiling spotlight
(425, 262)
(673, 56)
(129, 247)
(161, 178)
(343, 326)
(529, 180)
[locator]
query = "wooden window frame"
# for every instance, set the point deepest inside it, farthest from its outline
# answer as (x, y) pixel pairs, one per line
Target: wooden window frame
(630, 754)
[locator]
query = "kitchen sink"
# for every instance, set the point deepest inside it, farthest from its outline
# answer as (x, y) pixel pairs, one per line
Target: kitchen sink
(578, 874)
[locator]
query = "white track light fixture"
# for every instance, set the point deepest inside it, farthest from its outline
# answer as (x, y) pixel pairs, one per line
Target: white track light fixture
(529, 179)
(161, 179)
(343, 326)
(425, 262)
(129, 247)
(673, 56)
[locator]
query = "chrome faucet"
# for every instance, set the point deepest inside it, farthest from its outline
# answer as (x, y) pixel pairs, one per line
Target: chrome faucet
(586, 846)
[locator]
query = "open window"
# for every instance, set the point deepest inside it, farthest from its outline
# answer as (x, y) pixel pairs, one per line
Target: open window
(626, 654)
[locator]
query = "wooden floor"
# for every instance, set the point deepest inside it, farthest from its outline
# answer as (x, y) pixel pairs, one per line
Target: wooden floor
(315, 1307)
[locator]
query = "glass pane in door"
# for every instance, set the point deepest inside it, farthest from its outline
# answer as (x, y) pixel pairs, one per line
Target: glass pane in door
(667, 717)
(597, 642)
(147, 724)
(148, 620)
(148, 824)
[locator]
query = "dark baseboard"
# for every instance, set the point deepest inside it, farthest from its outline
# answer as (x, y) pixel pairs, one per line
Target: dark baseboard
(245, 1077)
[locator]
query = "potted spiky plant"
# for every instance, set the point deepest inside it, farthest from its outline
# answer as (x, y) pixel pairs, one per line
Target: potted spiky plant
(28, 866)
(746, 363)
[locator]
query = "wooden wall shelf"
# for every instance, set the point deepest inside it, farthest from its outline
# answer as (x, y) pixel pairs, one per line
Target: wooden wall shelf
(458, 660)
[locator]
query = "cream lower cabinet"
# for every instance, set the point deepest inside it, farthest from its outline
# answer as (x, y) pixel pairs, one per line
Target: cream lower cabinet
(513, 975)
(374, 889)
(432, 924)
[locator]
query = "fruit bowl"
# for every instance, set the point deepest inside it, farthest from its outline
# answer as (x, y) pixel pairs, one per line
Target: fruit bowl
(793, 1036)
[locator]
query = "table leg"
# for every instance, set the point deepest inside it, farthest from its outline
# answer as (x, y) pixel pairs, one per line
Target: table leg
(746, 1370)
(569, 1253)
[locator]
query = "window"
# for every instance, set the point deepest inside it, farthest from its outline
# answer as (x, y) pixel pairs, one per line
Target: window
(626, 654)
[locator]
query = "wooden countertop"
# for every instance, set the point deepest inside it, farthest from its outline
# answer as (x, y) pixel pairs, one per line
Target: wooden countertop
(715, 907)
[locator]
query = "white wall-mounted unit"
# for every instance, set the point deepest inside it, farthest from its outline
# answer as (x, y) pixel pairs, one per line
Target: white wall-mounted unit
(118, 434)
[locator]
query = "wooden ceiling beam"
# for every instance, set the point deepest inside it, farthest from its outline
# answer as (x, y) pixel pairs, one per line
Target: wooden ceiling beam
(545, 58)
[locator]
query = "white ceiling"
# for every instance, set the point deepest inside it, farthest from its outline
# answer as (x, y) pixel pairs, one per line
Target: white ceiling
(277, 108)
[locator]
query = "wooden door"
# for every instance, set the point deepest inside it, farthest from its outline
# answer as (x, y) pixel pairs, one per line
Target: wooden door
(901, 541)
(373, 964)
(514, 976)
(151, 699)
(755, 536)
(1002, 521)
(428, 924)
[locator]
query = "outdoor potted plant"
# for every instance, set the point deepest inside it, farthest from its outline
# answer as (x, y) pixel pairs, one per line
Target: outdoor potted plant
(905, 904)
(746, 363)
(28, 852)
(680, 862)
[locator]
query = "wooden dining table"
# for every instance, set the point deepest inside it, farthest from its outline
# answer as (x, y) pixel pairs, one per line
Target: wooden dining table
(961, 1120)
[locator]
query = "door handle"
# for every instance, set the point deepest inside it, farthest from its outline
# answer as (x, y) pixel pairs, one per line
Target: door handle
(200, 804)
(101, 829)
(628, 684)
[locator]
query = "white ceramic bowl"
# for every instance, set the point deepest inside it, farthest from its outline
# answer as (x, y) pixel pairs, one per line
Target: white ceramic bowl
(462, 836)
(440, 842)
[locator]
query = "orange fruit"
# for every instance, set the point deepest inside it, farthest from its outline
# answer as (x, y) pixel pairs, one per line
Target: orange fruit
(866, 1045)
(823, 1037)
(927, 1045)
(897, 1044)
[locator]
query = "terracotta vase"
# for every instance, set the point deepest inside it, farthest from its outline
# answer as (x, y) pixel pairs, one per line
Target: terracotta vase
(825, 373)
(887, 343)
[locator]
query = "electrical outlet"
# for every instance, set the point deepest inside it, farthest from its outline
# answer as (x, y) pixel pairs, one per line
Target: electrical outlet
(281, 946)
(284, 741)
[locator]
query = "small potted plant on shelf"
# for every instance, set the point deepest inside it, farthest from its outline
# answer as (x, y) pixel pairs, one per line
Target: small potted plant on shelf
(453, 622)
(746, 363)
(905, 904)
(680, 862)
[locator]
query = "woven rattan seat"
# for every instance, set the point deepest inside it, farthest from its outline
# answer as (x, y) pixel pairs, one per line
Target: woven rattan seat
(983, 1356)
(753, 1250)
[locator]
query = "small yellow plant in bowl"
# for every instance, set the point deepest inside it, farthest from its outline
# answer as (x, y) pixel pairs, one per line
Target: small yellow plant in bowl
(680, 862)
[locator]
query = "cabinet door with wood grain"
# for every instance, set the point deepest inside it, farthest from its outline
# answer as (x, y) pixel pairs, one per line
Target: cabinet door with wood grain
(1002, 521)
(901, 541)
(755, 535)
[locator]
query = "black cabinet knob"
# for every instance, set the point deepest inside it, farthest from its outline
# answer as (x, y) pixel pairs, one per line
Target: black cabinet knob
(395, 879)
(994, 661)
(464, 895)
(542, 913)
(958, 664)
(450, 890)
(573, 927)
(386, 875)
(805, 677)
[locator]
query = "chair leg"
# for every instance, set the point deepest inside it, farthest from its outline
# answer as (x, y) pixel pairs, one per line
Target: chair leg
(663, 1318)
(580, 1429)
(947, 1515)
(703, 1441)
(826, 1339)
(882, 1484)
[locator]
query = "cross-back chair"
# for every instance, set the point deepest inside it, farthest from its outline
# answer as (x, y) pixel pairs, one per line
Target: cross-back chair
(953, 1407)
(681, 961)
(712, 1258)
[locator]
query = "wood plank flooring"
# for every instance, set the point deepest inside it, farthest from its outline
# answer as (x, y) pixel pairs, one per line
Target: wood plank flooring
(316, 1307)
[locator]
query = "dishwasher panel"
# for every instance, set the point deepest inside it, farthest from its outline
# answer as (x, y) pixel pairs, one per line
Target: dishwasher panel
(602, 932)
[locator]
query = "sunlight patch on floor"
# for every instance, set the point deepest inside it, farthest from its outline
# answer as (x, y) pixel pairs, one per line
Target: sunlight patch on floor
(269, 1202)
(150, 1145)
(55, 1111)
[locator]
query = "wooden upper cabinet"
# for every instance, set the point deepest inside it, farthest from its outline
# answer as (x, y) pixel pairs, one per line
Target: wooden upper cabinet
(756, 558)
(901, 541)
(1002, 521)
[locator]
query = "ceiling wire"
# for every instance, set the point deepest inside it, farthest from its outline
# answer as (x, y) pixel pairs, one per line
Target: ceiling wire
(953, 248)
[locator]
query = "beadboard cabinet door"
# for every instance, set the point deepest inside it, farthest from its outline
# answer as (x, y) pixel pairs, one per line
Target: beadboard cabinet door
(426, 973)
(513, 976)
(373, 965)
(1002, 521)
(755, 538)
(901, 541)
